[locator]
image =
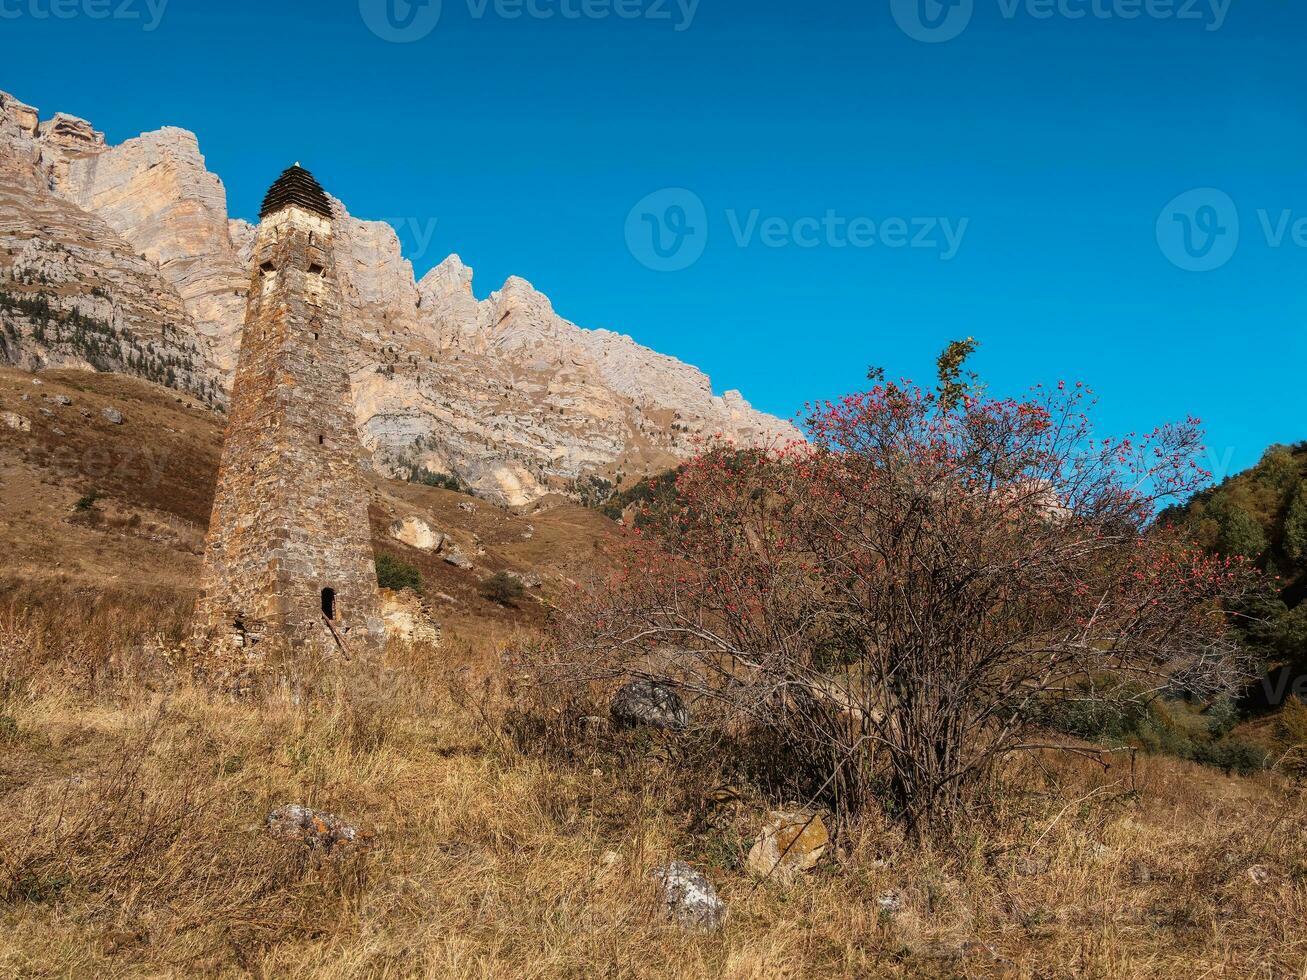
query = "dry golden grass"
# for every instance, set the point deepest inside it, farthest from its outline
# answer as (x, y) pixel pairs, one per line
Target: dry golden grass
(132, 806)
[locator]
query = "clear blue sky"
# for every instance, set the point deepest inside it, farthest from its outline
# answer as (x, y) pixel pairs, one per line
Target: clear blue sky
(528, 141)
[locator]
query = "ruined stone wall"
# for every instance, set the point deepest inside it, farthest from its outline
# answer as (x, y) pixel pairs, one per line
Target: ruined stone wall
(290, 515)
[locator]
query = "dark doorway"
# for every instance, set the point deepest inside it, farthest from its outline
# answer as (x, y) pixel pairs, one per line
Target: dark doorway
(329, 603)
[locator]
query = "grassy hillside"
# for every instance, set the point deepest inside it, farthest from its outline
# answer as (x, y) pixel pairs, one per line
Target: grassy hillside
(497, 844)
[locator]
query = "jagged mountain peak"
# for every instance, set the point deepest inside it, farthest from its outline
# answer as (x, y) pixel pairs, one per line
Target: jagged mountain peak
(515, 399)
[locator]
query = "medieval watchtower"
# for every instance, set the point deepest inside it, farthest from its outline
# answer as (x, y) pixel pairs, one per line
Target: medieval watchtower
(289, 553)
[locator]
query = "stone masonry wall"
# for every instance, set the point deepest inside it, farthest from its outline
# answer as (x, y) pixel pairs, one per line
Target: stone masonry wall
(290, 516)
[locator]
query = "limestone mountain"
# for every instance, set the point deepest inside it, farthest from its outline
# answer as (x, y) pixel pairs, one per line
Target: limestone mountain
(123, 258)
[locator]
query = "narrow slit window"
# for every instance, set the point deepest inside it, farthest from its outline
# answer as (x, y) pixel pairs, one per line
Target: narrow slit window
(329, 603)
(322, 440)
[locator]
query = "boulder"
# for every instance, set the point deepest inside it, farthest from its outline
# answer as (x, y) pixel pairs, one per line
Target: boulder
(113, 416)
(417, 533)
(16, 422)
(688, 898)
(313, 828)
(652, 704)
(789, 843)
(458, 559)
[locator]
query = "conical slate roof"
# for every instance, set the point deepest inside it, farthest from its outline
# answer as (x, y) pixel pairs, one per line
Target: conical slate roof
(296, 187)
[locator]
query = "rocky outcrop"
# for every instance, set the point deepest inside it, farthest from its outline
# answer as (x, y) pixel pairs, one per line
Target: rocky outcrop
(156, 193)
(502, 392)
(73, 292)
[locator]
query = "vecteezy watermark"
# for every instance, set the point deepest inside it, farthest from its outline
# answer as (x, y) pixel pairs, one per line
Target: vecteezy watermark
(415, 234)
(405, 21)
(933, 21)
(667, 231)
(1199, 231)
(401, 21)
(148, 12)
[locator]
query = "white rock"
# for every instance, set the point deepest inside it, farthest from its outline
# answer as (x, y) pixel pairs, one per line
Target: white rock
(417, 533)
(687, 897)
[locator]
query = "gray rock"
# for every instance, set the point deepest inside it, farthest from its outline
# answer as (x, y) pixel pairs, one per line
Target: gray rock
(650, 703)
(458, 559)
(315, 829)
(688, 898)
(59, 399)
(114, 416)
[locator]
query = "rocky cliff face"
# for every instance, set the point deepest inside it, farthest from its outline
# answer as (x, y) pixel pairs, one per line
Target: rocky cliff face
(73, 292)
(123, 258)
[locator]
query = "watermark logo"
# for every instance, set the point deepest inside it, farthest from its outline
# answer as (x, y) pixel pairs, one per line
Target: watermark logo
(667, 231)
(932, 21)
(148, 12)
(416, 235)
(1199, 230)
(405, 21)
(401, 21)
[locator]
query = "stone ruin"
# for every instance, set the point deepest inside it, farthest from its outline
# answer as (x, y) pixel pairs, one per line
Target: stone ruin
(289, 551)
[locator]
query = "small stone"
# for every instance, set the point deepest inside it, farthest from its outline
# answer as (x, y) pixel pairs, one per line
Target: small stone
(688, 898)
(789, 843)
(1140, 873)
(468, 507)
(16, 422)
(650, 703)
(1259, 874)
(114, 416)
(59, 399)
(318, 830)
(37, 381)
(890, 903)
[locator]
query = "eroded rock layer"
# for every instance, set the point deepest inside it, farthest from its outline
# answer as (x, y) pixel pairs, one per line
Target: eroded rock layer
(124, 258)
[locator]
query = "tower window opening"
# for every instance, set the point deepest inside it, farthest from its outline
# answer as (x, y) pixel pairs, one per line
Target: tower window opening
(267, 267)
(329, 603)
(322, 440)
(316, 270)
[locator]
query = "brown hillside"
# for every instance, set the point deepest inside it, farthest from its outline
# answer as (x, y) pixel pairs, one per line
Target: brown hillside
(153, 478)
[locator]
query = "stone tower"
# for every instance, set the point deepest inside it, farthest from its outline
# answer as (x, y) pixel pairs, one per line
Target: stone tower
(289, 552)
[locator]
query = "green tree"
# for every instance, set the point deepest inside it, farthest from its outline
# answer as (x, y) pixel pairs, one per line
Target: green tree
(952, 387)
(1239, 534)
(1295, 524)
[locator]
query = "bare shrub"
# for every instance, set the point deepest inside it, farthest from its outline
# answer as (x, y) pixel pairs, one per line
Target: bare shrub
(901, 599)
